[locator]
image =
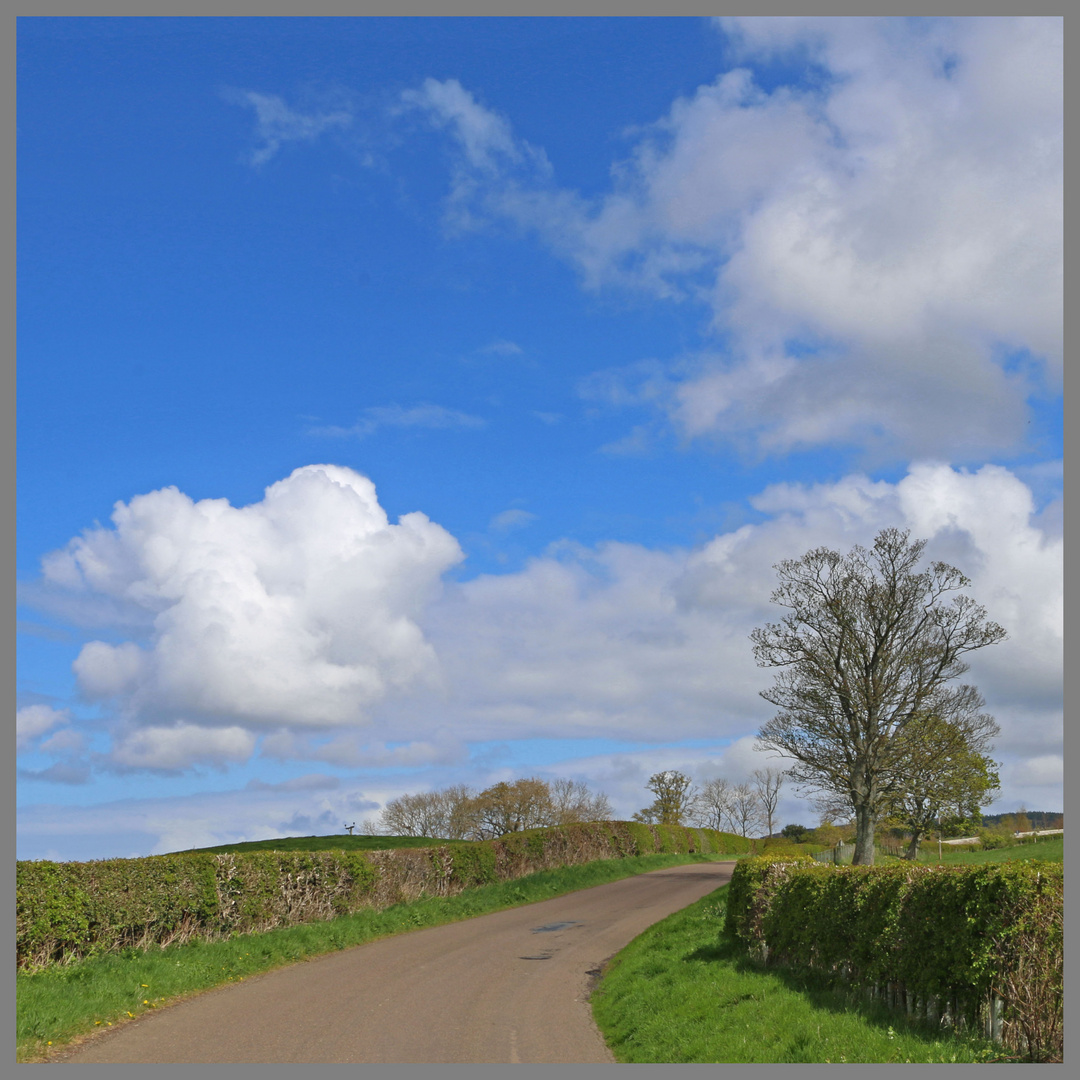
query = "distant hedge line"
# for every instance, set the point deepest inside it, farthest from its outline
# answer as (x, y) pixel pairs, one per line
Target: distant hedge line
(940, 941)
(69, 910)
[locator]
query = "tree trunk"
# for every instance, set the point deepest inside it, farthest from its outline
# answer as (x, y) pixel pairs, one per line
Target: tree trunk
(913, 847)
(864, 837)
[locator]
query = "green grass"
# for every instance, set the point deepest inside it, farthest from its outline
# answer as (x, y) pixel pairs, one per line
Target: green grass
(1048, 848)
(62, 1003)
(344, 842)
(683, 992)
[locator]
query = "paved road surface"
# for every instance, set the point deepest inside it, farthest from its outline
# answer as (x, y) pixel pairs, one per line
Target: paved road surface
(511, 986)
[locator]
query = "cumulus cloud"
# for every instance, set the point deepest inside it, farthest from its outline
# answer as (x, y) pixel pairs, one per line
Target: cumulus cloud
(33, 721)
(416, 416)
(277, 124)
(177, 748)
(625, 642)
(876, 247)
(61, 772)
(351, 750)
(299, 610)
(311, 623)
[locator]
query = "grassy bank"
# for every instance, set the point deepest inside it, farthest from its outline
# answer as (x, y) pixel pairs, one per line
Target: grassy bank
(344, 842)
(681, 992)
(59, 1004)
(1050, 848)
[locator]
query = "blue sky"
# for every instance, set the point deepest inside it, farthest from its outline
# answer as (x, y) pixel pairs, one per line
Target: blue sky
(412, 402)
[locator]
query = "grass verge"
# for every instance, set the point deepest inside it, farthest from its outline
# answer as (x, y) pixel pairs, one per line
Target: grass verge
(61, 1004)
(1048, 848)
(682, 992)
(343, 842)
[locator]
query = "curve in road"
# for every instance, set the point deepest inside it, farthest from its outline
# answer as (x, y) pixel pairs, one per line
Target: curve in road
(512, 986)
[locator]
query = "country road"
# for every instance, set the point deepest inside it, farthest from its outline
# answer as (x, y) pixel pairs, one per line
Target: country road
(508, 987)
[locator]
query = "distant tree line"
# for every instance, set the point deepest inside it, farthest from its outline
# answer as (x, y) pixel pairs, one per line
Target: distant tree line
(1036, 819)
(461, 813)
(747, 809)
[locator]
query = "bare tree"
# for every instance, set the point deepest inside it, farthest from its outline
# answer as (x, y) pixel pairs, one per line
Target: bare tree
(767, 784)
(572, 801)
(712, 807)
(869, 645)
(457, 812)
(745, 814)
(411, 815)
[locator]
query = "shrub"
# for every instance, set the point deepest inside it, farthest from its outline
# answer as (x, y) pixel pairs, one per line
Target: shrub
(70, 910)
(942, 937)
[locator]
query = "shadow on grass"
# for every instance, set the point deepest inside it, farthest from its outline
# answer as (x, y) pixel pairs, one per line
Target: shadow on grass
(827, 993)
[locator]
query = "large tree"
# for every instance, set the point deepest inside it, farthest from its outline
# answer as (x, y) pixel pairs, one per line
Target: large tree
(946, 772)
(870, 645)
(505, 808)
(675, 796)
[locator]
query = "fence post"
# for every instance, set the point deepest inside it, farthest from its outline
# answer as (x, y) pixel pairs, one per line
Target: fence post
(995, 1018)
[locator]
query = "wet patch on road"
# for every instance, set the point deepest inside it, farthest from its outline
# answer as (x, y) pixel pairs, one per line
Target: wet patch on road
(551, 928)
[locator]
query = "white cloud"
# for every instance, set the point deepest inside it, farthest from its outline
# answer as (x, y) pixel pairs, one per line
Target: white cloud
(277, 124)
(484, 136)
(624, 642)
(511, 519)
(104, 671)
(33, 721)
(416, 416)
(350, 750)
(307, 619)
(900, 222)
(488, 149)
(297, 611)
(181, 746)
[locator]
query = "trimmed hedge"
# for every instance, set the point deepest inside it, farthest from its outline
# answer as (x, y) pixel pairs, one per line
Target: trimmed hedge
(940, 939)
(66, 911)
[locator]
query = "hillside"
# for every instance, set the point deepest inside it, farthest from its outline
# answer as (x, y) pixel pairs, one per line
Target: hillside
(344, 842)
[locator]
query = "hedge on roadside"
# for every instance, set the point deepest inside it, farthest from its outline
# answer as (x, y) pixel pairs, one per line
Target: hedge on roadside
(67, 911)
(940, 938)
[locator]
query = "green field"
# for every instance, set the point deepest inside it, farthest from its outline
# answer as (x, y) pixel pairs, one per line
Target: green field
(61, 1003)
(344, 842)
(682, 992)
(1048, 848)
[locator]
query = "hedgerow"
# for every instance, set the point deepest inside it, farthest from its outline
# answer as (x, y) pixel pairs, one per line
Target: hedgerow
(943, 941)
(67, 911)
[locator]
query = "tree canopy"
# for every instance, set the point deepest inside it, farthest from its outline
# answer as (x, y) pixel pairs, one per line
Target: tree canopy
(460, 813)
(869, 649)
(675, 798)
